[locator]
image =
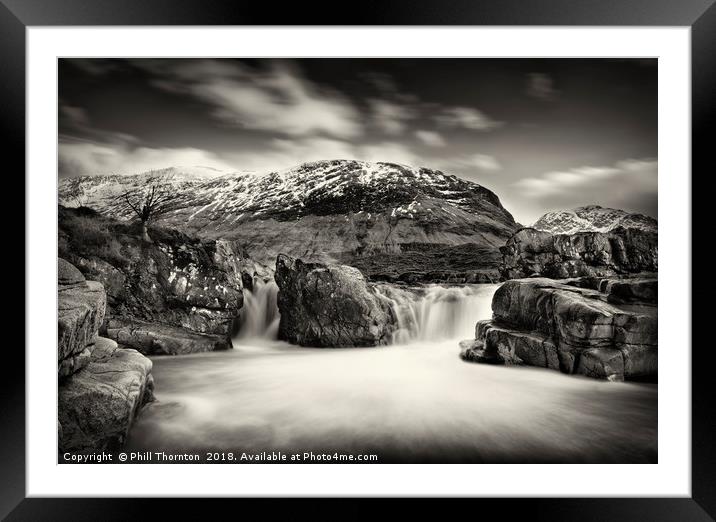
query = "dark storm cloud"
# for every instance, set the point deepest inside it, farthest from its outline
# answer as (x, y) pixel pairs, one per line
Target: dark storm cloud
(542, 134)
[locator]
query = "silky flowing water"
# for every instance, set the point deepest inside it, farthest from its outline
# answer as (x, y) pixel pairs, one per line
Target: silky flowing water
(412, 401)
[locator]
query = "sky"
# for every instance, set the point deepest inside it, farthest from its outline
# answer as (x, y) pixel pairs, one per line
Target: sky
(543, 134)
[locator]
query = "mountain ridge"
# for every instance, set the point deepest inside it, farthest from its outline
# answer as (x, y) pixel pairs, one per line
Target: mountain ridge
(325, 210)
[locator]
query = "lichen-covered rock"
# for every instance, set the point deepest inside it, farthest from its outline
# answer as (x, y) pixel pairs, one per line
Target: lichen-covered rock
(561, 325)
(98, 404)
(329, 306)
(534, 253)
(173, 281)
(80, 312)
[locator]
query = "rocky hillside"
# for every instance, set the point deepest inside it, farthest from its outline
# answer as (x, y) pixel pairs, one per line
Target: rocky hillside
(329, 211)
(593, 218)
(176, 294)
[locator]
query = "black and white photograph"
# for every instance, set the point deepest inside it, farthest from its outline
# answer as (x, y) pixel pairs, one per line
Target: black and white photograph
(357, 260)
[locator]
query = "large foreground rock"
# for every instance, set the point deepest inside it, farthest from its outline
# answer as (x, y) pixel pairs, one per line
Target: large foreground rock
(98, 404)
(101, 387)
(568, 326)
(533, 253)
(329, 306)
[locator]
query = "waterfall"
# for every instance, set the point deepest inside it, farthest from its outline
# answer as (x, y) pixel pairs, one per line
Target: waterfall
(428, 313)
(436, 312)
(259, 315)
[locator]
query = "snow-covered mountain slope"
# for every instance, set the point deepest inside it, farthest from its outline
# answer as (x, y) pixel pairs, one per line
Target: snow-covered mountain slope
(321, 210)
(592, 218)
(100, 191)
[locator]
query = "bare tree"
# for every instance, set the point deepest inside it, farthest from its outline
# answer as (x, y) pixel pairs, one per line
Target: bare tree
(147, 204)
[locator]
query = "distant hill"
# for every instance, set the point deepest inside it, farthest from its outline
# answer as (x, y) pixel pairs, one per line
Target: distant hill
(593, 218)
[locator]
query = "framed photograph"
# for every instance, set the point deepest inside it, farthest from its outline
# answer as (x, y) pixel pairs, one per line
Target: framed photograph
(400, 252)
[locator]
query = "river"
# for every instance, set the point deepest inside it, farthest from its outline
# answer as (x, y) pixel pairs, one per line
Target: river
(412, 401)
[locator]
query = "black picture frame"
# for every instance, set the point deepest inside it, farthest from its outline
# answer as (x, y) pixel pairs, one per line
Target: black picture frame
(699, 15)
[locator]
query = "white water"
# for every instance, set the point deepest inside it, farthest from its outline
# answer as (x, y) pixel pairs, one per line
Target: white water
(259, 314)
(414, 401)
(436, 312)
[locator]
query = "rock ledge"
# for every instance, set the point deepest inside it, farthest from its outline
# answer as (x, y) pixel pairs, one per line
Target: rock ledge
(573, 327)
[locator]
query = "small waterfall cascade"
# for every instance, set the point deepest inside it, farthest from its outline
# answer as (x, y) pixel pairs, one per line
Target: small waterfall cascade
(436, 312)
(423, 314)
(259, 315)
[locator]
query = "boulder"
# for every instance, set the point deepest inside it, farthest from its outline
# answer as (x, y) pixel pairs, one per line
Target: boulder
(162, 339)
(567, 326)
(98, 404)
(68, 274)
(474, 351)
(113, 279)
(497, 344)
(534, 253)
(329, 306)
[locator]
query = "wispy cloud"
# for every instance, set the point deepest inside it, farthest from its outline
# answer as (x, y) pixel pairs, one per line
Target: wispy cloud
(465, 117)
(97, 67)
(541, 87)
(394, 110)
(391, 117)
(383, 82)
(628, 184)
(72, 117)
(87, 158)
(482, 162)
(77, 126)
(560, 182)
(278, 99)
(430, 138)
